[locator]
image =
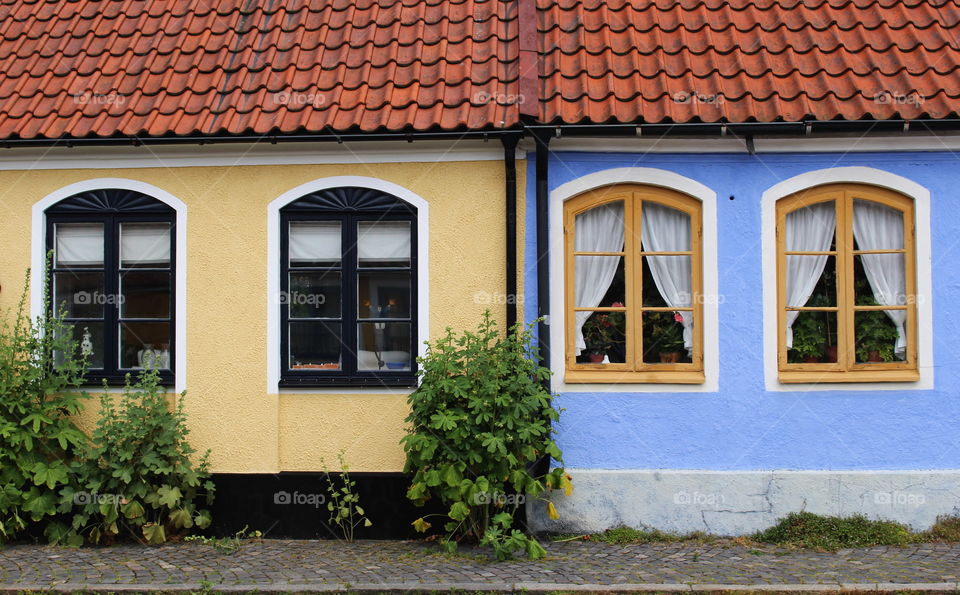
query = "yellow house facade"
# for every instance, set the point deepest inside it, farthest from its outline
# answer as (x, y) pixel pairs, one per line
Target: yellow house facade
(226, 292)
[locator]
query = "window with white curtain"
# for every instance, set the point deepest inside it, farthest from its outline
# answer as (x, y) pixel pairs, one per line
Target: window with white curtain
(348, 292)
(633, 285)
(112, 279)
(846, 285)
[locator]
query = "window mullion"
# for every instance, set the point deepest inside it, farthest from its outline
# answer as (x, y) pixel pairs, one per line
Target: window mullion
(349, 327)
(634, 273)
(111, 279)
(846, 348)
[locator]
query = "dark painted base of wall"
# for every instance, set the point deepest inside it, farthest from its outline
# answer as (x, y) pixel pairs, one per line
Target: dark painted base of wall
(294, 505)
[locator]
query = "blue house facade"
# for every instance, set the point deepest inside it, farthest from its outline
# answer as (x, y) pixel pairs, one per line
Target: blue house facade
(754, 434)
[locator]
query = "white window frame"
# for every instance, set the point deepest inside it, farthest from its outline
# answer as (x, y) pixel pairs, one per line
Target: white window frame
(273, 276)
(924, 295)
(650, 177)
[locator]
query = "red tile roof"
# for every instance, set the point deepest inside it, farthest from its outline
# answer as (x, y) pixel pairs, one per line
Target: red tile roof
(749, 60)
(168, 67)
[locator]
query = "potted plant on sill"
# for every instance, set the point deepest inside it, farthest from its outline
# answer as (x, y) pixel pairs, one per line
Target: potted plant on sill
(666, 335)
(601, 331)
(876, 336)
(808, 338)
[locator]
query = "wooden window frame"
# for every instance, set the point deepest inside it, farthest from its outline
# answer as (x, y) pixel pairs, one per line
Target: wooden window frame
(634, 370)
(350, 206)
(846, 369)
(113, 208)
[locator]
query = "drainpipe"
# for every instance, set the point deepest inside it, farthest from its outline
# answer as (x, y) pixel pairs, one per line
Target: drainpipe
(510, 195)
(543, 247)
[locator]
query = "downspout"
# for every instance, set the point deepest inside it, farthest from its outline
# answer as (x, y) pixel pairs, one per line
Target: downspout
(510, 196)
(543, 248)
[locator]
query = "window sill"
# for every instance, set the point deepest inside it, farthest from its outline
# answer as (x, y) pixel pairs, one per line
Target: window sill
(119, 381)
(816, 377)
(367, 382)
(645, 377)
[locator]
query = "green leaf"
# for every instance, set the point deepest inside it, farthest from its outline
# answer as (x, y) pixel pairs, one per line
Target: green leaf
(132, 509)
(169, 496)
(154, 533)
(459, 511)
(420, 525)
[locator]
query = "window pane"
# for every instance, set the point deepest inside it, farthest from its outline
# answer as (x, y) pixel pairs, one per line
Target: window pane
(666, 338)
(812, 228)
(600, 229)
(876, 226)
(79, 245)
(145, 294)
(814, 337)
(145, 345)
(383, 244)
(383, 295)
(879, 280)
(145, 245)
(599, 281)
(89, 339)
(314, 346)
(880, 335)
(79, 295)
(384, 346)
(667, 281)
(665, 229)
(604, 336)
(811, 281)
(314, 295)
(315, 243)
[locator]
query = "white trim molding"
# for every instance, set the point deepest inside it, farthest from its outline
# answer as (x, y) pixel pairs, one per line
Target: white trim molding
(651, 177)
(263, 153)
(859, 175)
(273, 271)
(38, 255)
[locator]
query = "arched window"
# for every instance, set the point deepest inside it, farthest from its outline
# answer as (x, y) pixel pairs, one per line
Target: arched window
(348, 287)
(113, 279)
(846, 285)
(633, 283)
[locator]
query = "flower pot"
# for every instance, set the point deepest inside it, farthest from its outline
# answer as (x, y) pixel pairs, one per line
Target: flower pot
(596, 358)
(811, 359)
(831, 353)
(874, 356)
(669, 357)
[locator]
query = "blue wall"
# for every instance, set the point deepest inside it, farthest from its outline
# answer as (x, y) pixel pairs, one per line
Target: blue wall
(743, 426)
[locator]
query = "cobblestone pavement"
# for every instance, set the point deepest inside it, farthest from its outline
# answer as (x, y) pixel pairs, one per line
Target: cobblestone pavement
(288, 565)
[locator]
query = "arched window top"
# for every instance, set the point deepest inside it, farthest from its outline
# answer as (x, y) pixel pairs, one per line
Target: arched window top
(351, 199)
(106, 201)
(633, 192)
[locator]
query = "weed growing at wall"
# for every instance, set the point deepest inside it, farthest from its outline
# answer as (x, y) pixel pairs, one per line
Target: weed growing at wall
(139, 480)
(479, 422)
(38, 440)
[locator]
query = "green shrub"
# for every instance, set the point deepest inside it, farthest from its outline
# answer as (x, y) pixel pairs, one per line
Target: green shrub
(808, 530)
(138, 478)
(947, 528)
(38, 439)
(479, 421)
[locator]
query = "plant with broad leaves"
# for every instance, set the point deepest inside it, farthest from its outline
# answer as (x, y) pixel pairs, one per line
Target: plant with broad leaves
(41, 369)
(479, 422)
(139, 478)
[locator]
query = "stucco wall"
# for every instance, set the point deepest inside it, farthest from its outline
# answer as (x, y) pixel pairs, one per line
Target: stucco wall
(229, 410)
(742, 425)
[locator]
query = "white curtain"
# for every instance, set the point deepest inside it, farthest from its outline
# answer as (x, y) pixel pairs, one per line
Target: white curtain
(312, 242)
(878, 227)
(598, 230)
(79, 244)
(145, 243)
(384, 241)
(810, 229)
(666, 229)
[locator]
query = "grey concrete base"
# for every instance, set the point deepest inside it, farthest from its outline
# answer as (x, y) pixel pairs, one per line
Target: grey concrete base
(734, 503)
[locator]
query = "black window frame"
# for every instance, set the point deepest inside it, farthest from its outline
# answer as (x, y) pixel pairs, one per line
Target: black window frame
(113, 208)
(349, 206)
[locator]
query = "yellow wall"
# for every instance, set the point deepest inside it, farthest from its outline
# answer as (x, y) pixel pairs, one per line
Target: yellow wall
(229, 411)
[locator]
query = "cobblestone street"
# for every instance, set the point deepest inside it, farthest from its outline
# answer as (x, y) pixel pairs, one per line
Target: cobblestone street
(286, 565)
